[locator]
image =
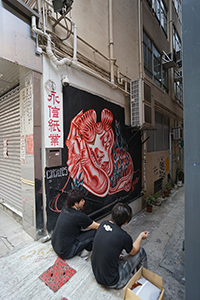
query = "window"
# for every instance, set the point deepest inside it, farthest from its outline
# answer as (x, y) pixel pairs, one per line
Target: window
(178, 91)
(147, 55)
(177, 5)
(147, 114)
(158, 185)
(147, 106)
(152, 63)
(176, 40)
(157, 66)
(165, 79)
(163, 16)
(178, 87)
(159, 138)
(147, 93)
(160, 12)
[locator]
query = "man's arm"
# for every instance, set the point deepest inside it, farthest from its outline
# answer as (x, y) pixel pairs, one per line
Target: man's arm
(136, 245)
(94, 225)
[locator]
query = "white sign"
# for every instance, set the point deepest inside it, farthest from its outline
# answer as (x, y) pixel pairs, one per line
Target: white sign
(53, 119)
(26, 120)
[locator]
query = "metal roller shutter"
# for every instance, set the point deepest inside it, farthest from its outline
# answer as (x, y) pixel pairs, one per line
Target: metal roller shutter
(10, 165)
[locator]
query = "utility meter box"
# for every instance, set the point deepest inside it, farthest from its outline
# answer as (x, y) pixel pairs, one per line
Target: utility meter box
(54, 157)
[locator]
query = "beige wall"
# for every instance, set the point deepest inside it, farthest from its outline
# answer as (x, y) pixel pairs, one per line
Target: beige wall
(157, 166)
(17, 44)
(92, 21)
(126, 37)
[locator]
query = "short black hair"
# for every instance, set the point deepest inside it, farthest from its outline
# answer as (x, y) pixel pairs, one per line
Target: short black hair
(121, 213)
(73, 196)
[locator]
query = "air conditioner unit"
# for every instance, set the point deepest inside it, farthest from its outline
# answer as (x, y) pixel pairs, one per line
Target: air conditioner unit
(135, 102)
(176, 131)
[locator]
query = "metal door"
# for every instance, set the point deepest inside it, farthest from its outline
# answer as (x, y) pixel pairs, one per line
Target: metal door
(10, 165)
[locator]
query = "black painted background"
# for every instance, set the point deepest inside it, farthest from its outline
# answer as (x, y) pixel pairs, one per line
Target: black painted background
(75, 100)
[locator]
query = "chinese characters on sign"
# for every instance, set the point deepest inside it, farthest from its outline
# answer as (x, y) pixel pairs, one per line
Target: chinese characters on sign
(26, 111)
(53, 120)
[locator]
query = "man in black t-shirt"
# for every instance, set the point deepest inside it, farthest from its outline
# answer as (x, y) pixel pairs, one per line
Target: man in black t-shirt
(68, 239)
(110, 267)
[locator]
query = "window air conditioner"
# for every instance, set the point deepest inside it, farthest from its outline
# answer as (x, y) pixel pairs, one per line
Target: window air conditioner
(176, 131)
(135, 102)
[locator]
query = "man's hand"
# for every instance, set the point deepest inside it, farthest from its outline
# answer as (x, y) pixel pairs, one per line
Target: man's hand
(136, 245)
(94, 225)
(144, 235)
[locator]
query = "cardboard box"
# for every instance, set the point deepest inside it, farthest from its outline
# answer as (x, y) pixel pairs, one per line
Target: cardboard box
(150, 276)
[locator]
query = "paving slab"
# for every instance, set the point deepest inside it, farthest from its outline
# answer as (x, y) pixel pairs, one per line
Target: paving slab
(23, 260)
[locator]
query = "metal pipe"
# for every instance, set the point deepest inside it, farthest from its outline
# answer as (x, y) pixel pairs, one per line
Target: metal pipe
(111, 43)
(170, 155)
(44, 21)
(140, 40)
(70, 62)
(122, 79)
(39, 11)
(75, 43)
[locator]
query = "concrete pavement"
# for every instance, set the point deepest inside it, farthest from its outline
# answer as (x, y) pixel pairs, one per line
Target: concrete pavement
(23, 260)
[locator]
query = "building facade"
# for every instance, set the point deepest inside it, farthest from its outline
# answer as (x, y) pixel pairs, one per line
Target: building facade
(90, 98)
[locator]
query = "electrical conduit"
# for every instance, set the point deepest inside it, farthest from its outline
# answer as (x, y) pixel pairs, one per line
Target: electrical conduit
(71, 62)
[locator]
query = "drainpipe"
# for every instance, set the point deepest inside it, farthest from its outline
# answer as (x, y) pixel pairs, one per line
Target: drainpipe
(111, 43)
(71, 62)
(122, 79)
(140, 39)
(140, 32)
(44, 21)
(170, 155)
(75, 43)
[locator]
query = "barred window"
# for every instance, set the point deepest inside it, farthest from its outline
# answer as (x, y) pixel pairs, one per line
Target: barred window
(152, 63)
(159, 139)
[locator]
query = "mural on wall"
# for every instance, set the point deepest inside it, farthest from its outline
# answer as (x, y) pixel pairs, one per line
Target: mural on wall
(161, 169)
(101, 163)
(97, 156)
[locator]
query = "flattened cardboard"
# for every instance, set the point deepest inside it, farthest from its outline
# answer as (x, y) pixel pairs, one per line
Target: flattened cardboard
(150, 276)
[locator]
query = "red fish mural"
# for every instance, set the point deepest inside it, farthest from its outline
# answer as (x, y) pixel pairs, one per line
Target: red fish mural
(96, 157)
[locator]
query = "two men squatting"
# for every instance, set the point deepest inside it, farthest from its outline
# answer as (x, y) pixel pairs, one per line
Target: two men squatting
(111, 265)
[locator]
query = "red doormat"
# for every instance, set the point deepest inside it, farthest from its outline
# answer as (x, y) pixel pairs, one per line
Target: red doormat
(57, 274)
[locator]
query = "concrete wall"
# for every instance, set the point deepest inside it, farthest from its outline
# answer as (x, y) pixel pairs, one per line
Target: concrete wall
(157, 167)
(92, 20)
(17, 43)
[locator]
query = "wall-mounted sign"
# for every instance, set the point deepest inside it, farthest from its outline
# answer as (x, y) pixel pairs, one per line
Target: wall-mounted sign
(53, 119)
(26, 119)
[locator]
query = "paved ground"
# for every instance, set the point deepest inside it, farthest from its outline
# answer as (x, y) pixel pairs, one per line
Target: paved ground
(23, 260)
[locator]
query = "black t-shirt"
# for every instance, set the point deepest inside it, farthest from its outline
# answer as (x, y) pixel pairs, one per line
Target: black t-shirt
(108, 244)
(67, 229)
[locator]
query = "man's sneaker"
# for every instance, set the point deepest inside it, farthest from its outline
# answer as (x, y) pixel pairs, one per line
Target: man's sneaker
(85, 254)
